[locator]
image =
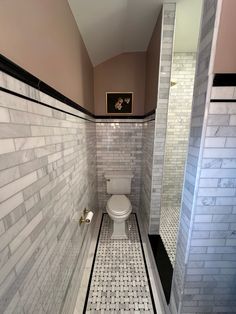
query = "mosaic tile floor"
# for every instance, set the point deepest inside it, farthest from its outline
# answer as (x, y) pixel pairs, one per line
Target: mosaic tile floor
(169, 229)
(119, 281)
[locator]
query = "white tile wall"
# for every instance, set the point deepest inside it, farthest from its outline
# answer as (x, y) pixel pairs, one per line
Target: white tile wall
(147, 162)
(47, 173)
(161, 115)
(211, 261)
(176, 144)
(178, 125)
(119, 147)
(205, 269)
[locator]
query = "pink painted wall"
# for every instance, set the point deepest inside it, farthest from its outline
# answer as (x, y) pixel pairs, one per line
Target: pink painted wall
(225, 59)
(42, 37)
(122, 73)
(152, 67)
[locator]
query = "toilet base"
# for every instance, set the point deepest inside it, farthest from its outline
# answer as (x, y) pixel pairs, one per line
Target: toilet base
(119, 231)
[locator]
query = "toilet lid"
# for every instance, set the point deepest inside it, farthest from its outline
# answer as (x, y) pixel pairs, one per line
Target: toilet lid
(118, 204)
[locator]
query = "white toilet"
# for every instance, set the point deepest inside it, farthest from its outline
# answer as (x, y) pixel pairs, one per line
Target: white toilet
(119, 206)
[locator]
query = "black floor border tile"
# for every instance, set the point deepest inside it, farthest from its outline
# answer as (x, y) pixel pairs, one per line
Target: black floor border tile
(145, 263)
(163, 264)
(94, 258)
(91, 273)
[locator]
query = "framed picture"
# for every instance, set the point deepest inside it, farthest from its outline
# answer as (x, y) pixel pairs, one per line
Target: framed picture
(119, 102)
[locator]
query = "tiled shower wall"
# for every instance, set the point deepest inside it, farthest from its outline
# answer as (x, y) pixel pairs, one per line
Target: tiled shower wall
(47, 173)
(209, 286)
(184, 282)
(211, 265)
(178, 124)
(119, 147)
(168, 24)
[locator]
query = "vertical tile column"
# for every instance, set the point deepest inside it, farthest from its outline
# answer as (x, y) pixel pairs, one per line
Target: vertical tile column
(194, 275)
(147, 145)
(161, 114)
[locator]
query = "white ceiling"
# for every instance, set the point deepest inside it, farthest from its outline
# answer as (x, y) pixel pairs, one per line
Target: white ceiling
(112, 27)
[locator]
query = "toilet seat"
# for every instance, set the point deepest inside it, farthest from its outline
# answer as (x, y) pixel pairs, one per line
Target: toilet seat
(118, 205)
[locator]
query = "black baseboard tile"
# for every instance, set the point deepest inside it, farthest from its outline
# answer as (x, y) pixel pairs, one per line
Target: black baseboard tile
(163, 264)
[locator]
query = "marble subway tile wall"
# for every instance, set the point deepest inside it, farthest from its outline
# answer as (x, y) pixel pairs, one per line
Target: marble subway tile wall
(181, 280)
(211, 265)
(119, 147)
(168, 24)
(147, 161)
(47, 174)
(178, 125)
(177, 134)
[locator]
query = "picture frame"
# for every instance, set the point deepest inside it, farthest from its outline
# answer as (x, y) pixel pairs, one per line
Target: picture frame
(119, 103)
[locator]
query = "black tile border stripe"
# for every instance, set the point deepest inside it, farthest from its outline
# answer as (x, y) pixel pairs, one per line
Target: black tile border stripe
(163, 264)
(19, 73)
(94, 258)
(126, 117)
(145, 264)
(5, 90)
(41, 103)
(11, 68)
(91, 272)
(223, 100)
(224, 79)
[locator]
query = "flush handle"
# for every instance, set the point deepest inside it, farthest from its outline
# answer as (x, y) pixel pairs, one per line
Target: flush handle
(108, 180)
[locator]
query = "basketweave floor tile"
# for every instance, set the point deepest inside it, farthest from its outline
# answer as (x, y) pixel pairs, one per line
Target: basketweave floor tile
(119, 280)
(169, 229)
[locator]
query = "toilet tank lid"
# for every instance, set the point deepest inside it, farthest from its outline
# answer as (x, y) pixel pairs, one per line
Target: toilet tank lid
(118, 174)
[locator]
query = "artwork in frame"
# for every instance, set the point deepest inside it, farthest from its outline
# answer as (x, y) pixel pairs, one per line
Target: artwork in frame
(119, 103)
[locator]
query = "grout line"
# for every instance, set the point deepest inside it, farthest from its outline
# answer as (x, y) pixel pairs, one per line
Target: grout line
(144, 260)
(91, 272)
(145, 263)
(5, 90)
(87, 268)
(157, 289)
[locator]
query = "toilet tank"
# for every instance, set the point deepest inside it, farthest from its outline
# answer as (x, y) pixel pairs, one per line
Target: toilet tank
(118, 182)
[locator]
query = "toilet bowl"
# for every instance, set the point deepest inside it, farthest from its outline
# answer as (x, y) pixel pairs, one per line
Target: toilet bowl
(118, 205)
(119, 208)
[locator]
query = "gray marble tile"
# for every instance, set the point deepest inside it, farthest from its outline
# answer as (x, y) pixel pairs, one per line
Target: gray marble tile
(119, 279)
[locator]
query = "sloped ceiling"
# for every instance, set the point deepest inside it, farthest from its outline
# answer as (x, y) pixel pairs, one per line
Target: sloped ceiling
(111, 27)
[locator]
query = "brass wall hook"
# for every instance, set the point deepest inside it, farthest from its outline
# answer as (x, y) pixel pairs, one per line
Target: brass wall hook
(86, 211)
(83, 217)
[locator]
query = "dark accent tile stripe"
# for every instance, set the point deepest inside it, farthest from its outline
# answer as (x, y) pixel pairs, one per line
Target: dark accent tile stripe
(11, 68)
(16, 71)
(119, 117)
(121, 120)
(224, 79)
(39, 102)
(163, 263)
(223, 100)
(145, 263)
(127, 116)
(91, 274)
